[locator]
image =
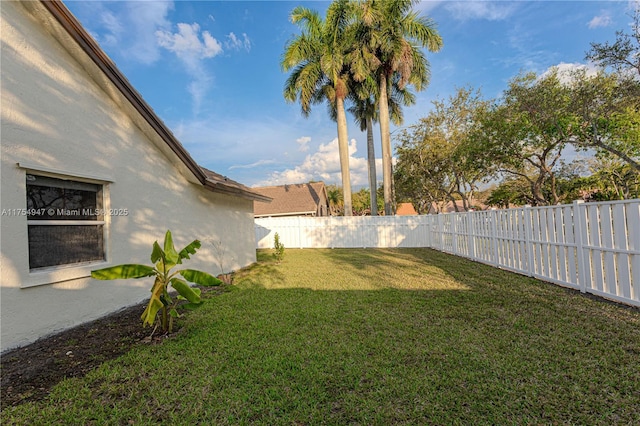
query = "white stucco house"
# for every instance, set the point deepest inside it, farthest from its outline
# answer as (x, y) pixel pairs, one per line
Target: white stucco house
(91, 177)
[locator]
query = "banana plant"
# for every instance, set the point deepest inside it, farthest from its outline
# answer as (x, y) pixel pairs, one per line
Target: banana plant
(161, 305)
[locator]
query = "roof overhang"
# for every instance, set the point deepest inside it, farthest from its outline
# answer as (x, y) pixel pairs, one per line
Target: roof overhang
(309, 213)
(218, 186)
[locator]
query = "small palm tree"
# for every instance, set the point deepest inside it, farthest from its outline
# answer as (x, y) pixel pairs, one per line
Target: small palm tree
(320, 72)
(336, 204)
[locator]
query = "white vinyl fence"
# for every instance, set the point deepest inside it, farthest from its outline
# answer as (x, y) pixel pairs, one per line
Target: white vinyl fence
(593, 247)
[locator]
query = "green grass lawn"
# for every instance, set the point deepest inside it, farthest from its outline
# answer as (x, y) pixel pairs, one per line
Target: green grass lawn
(405, 336)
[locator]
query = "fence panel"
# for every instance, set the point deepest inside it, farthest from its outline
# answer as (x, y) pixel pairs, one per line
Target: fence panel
(593, 247)
(633, 228)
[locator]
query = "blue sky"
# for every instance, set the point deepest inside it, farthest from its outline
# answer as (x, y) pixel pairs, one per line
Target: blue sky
(211, 71)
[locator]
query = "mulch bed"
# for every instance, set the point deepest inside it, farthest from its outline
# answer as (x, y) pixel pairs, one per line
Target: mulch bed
(28, 373)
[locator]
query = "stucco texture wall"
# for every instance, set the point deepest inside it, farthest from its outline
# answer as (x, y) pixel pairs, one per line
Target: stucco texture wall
(58, 114)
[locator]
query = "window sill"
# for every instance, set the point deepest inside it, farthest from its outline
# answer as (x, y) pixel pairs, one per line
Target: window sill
(57, 274)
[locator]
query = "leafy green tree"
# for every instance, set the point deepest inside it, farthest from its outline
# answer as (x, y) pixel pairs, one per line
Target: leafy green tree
(511, 192)
(609, 104)
(611, 179)
(606, 110)
(600, 178)
(526, 132)
(624, 53)
(361, 203)
(320, 71)
(419, 178)
(391, 36)
(435, 162)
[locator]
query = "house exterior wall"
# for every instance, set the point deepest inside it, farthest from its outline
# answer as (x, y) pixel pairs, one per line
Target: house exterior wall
(60, 118)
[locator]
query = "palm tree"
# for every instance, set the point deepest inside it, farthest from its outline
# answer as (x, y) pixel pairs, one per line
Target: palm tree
(321, 72)
(394, 34)
(365, 113)
(336, 202)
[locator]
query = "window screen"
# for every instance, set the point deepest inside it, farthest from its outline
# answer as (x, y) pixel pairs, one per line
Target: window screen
(65, 222)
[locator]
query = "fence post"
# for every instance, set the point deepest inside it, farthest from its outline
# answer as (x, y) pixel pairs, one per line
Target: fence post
(494, 235)
(454, 232)
(331, 239)
(439, 231)
(471, 245)
(528, 236)
(580, 228)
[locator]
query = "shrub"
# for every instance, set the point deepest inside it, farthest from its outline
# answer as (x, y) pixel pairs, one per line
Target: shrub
(278, 248)
(161, 304)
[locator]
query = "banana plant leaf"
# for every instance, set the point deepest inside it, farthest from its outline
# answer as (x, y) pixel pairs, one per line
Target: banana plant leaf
(189, 249)
(155, 303)
(199, 277)
(185, 291)
(195, 289)
(123, 271)
(171, 256)
(157, 253)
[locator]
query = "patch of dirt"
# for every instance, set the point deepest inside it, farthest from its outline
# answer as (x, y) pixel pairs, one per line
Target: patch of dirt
(28, 373)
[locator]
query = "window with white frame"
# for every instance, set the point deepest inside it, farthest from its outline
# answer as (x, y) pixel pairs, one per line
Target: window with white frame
(65, 222)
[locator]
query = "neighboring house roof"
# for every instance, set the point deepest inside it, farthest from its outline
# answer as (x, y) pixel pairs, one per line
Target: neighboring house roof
(210, 180)
(405, 209)
(292, 200)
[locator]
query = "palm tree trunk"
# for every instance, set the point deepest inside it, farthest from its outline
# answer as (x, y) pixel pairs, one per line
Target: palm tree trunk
(343, 150)
(385, 137)
(371, 156)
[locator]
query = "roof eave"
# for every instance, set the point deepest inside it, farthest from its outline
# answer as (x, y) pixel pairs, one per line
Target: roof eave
(307, 213)
(221, 188)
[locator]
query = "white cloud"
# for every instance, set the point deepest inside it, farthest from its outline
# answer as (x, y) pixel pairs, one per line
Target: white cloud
(129, 26)
(186, 43)
(262, 152)
(428, 6)
(324, 165)
(527, 54)
(113, 25)
(235, 143)
(192, 46)
(304, 143)
(602, 20)
(490, 11)
(235, 43)
(252, 165)
(565, 71)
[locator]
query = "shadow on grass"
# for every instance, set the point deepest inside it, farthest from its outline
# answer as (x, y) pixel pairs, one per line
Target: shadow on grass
(266, 265)
(510, 350)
